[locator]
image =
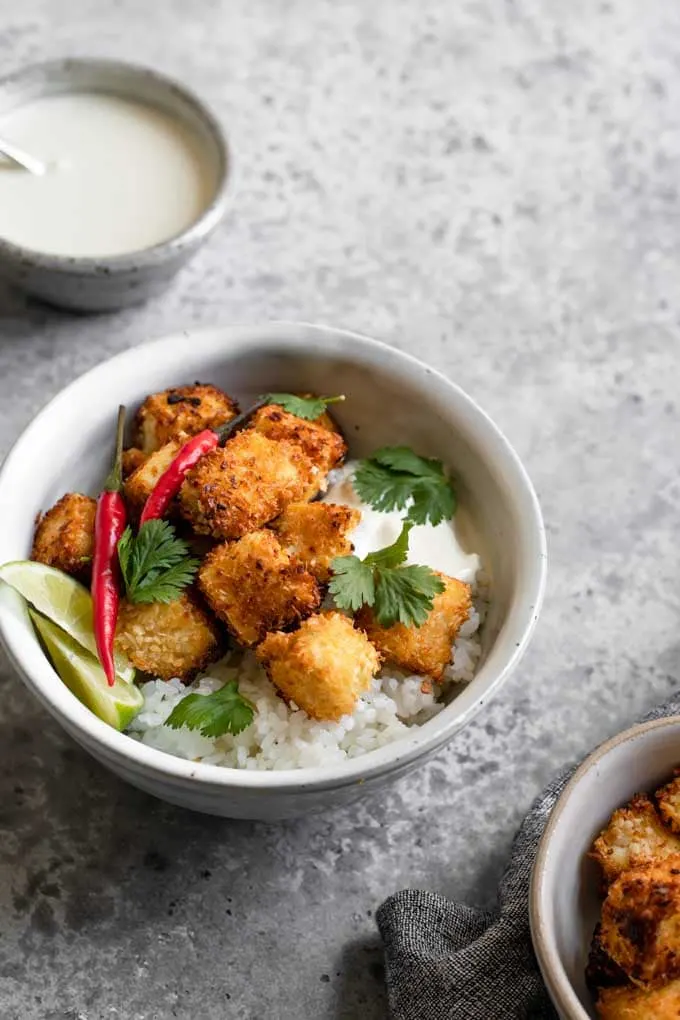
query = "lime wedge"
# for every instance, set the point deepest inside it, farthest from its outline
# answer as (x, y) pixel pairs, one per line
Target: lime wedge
(62, 599)
(84, 677)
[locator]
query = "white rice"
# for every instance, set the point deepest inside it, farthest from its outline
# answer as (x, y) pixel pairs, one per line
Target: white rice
(284, 737)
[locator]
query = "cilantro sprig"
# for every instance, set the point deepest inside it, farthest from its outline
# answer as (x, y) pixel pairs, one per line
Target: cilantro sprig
(393, 475)
(223, 711)
(155, 564)
(397, 593)
(309, 408)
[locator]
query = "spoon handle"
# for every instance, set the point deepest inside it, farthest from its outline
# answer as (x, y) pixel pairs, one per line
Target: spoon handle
(21, 158)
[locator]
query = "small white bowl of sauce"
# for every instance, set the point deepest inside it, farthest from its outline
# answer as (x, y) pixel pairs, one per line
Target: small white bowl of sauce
(136, 170)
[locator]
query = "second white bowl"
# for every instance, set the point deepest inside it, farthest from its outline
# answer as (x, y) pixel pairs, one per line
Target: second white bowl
(564, 899)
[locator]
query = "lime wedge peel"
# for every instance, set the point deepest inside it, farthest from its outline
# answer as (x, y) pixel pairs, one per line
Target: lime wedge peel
(61, 599)
(84, 677)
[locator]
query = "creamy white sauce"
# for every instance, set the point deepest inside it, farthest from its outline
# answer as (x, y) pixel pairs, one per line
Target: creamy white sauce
(121, 176)
(432, 546)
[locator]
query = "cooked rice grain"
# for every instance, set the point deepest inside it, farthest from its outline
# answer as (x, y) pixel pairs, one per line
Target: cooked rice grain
(283, 737)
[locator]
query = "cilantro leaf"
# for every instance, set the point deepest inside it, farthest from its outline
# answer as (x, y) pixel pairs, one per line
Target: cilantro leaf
(392, 555)
(352, 584)
(397, 593)
(395, 475)
(405, 595)
(155, 565)
(309, 408)
(223, 711)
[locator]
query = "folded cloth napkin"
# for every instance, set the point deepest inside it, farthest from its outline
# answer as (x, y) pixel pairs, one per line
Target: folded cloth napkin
(446, 961)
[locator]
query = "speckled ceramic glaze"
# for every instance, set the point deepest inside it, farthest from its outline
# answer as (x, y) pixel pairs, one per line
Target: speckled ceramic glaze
(564, 900)
(101, 284)
(391, 397)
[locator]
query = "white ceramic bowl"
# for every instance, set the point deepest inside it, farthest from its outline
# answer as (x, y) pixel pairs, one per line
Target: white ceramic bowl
(564, 900)
(391, 398)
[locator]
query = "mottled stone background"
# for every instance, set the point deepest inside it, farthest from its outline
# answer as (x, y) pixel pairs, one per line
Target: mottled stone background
(493, 185)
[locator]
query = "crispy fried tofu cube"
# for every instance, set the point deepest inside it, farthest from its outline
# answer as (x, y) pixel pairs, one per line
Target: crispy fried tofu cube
(245, 484)
(601, 970)
(635, 835)
(426, 650)
(255, 586)
(668, 801)
(132, 459)
(631, 1003)
(177, 639)
(641, 921)
(188, 409)
(141, 483)
(316, 533)
(323, 666)
(325, 449)
(64, 536)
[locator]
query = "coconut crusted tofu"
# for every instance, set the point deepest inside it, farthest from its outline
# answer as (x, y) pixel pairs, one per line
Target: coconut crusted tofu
(635, 835)
(132, 459)
(426, 649)
(243, 485)
(641, 921)
(323, 666)
(174, 639)
(190, 409)
(255, 586)
(631, 1003)
(324, 448)
(316, 533)
(64, 536)
(668, 801)
(141, 483)
(601, 970)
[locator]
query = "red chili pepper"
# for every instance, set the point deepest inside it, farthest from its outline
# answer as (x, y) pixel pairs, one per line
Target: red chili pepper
(170, 482)
(109, 525)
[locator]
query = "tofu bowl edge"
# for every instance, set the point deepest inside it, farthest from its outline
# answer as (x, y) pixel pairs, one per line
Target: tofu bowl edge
(564, 901)
(391, 398)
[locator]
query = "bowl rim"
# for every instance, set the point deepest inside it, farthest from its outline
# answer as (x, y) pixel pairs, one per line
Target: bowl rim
(556, 979)
(86, 728)
(156, 254)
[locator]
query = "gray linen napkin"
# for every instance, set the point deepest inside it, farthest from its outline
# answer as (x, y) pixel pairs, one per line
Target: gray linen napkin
(447, 961)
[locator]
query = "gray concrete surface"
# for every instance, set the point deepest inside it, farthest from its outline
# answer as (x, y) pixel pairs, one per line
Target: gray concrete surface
(493, 185)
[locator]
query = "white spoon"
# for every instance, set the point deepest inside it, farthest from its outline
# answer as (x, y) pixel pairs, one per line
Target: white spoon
(21, 158)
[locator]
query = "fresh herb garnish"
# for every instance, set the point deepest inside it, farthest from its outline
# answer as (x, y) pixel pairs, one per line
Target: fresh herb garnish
(156, 565)
(397, 594)
(304, 407)
(393, 475)
(223, 711)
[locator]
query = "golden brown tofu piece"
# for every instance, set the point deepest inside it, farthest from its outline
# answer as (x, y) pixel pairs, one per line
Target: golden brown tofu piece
(323, 666)
(188, 409)
(425, 650)
(132, 459)
(668, 801)
(641, 921)
(324, 449)
(601, 970)
(244, 485)
(255, 586)
(316, 533)
(64, 536)
(177, 639)
(635, 835)
(631, 1003)
(141, 483)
